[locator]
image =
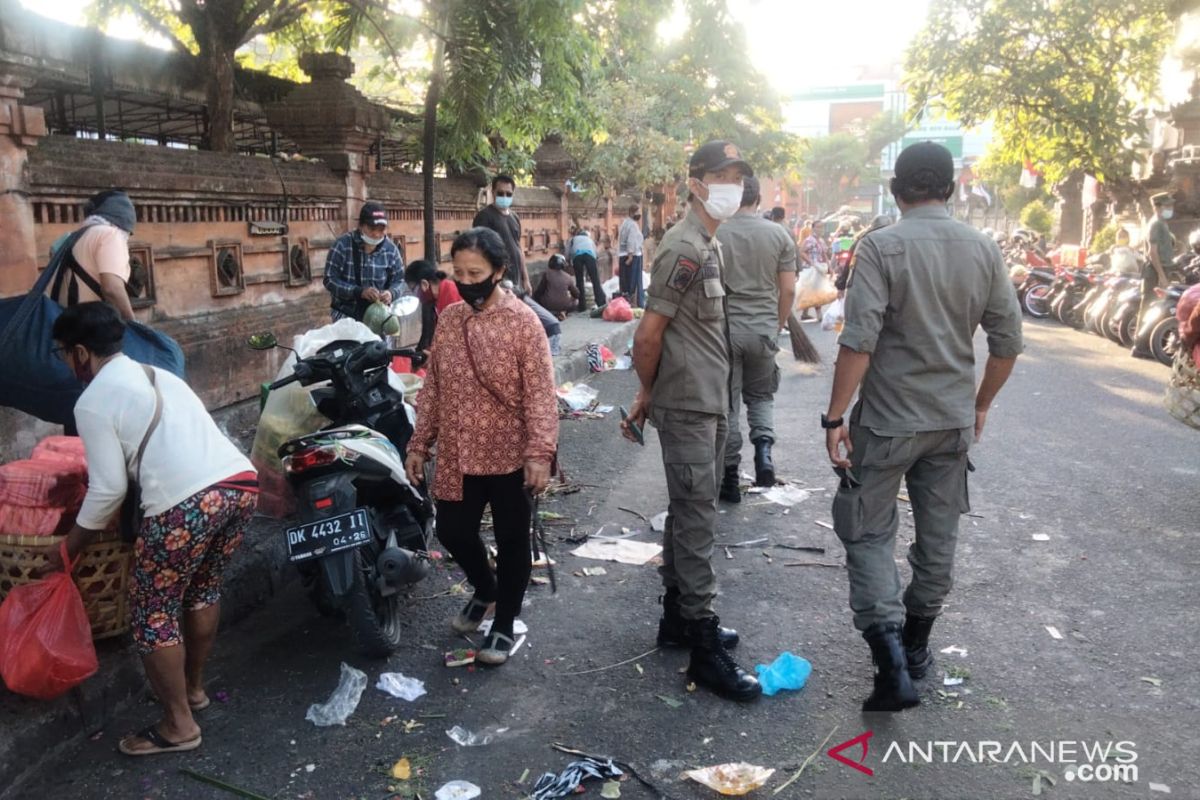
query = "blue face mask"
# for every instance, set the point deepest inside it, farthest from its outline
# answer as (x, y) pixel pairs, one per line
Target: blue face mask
(504, 202)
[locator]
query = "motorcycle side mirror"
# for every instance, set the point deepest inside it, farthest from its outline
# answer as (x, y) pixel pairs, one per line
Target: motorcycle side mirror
(262, 341)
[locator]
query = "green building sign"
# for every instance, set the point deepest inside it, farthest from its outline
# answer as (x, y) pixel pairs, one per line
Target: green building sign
(952, 143)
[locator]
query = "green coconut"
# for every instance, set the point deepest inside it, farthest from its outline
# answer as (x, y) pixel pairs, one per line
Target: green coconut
(380, 319)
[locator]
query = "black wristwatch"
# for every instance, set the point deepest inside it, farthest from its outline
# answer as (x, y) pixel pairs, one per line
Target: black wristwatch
(829, 424)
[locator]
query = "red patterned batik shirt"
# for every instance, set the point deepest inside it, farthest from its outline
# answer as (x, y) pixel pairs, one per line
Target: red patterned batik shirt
(492, 410)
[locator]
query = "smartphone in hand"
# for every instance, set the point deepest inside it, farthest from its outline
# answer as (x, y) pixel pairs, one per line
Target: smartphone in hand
(637, 429)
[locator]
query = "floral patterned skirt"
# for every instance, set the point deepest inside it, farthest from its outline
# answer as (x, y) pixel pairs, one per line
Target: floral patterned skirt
(179, 558)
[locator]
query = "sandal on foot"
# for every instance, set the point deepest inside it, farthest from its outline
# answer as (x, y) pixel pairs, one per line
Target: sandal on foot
(496, 649)
(472, 616)
(160, 742)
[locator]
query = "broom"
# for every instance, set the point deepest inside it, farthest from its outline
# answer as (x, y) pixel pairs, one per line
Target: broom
(802, 346)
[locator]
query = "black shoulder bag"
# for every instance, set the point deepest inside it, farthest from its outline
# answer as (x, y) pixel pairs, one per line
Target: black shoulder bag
(132, 513)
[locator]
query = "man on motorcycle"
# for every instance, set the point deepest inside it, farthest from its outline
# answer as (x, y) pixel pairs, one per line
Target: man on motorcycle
(364, 266)
(1161, 252)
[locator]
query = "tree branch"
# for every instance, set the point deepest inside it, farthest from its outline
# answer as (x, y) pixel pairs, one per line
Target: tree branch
(158, 26)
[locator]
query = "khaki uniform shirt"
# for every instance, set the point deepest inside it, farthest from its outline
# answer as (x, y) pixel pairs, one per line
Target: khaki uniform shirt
(685, 285)
(919, 290)
(755, 251)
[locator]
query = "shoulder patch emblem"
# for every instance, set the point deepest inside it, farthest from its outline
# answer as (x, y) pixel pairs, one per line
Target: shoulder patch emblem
(683, 273)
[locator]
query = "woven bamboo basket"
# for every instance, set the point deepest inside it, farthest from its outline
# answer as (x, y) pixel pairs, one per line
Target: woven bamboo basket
(102, 576)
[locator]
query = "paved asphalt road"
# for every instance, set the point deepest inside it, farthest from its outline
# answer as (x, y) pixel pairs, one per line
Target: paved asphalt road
(1078, 449)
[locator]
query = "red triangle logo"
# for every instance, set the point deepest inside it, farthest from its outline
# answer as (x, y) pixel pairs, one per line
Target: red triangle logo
(861, 740)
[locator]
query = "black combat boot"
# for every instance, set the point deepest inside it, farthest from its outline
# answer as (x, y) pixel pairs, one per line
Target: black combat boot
(673, 629)
(893, 687)
(713, 668)
(764, 466)
(916, 646)
(731, 491)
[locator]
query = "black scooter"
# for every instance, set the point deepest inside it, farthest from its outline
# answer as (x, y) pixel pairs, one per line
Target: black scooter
(364, 532)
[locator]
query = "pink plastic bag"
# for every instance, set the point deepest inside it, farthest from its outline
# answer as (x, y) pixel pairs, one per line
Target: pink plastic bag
(618, 310)
(45, 638)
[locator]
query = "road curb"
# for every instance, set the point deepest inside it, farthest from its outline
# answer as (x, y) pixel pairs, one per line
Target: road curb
(573, 365)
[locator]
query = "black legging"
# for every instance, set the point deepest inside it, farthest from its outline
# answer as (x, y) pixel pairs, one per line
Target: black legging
(584, 265)
(458, 529)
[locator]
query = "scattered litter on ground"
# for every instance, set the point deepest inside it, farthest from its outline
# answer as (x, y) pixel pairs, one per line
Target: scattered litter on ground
(1151, 681)
(637, 514)
(228, 787)
(670, 701)
(748, 543)
(658, 522)
(221, 697)
(1041, 537)
(614, 666)
(577, 397)
(767, 556)
(728, 554)
(402, 770)
(1160, 787)
(593, 572)
(538, 580)
(823, 524)
(805, 548)
(1038, 777)
(786, 495)
(807, 761)
(543, 561)
(954, 650)
(732, 779)
(465, 738)
(341, 704)
(1053, 631)
(949, 681)
(460, 657)
(639, 669)
(620, 550)
(458, 790)
(567, 782)
(623, 362)
(524, 776)
(811, 564)
(310, 768)
(787, 671)
(611, 790)
(397, 685)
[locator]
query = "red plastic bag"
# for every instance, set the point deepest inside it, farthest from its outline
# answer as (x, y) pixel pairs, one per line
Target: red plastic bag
(45, 637)
(34, 521)
(618, 310)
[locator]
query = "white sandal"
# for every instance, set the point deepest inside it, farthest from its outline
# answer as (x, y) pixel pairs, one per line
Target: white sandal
(496, 649)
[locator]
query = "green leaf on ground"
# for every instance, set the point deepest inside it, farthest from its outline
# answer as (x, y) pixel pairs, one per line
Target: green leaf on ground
(670, 701)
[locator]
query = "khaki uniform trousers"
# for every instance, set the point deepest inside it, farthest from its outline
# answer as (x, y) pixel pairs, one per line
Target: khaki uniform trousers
(692, 448)
(754, 379)
(934, 466)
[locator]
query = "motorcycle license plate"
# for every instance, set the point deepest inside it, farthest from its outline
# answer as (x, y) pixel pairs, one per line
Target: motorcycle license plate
(324, 537)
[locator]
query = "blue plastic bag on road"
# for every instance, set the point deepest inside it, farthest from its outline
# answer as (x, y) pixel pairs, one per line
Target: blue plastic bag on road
(38, 382)
(788, 671)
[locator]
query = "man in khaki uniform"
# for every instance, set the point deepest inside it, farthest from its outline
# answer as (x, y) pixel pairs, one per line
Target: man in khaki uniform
(681, 354)
(918, 291)
(760, 275)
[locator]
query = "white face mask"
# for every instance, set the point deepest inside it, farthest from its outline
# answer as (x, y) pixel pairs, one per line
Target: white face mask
(724, 199)
(371, 240)
(1167, 213)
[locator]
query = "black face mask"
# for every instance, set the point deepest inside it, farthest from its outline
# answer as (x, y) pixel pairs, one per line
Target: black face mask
(476, 294)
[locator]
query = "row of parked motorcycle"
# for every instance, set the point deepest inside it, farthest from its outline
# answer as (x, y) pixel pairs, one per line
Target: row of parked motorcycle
(1104, 296)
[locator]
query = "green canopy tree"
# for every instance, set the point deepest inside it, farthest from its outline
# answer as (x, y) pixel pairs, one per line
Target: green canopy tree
(1061, 80)
(213, 31)
(503, 74)
(655, 99)
(841, 161)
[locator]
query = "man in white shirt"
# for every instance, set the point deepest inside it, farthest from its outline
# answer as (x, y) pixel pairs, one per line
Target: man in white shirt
(629, 257)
